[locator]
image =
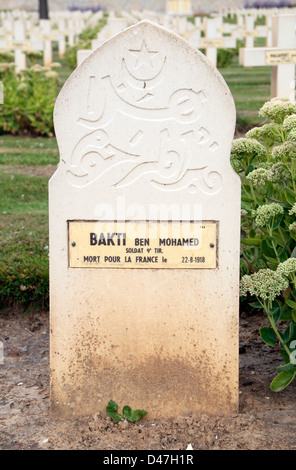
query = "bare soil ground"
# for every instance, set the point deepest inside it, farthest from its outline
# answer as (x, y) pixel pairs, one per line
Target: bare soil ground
(266, 420)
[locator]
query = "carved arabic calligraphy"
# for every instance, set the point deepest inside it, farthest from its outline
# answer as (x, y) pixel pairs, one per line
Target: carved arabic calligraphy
(162, 143)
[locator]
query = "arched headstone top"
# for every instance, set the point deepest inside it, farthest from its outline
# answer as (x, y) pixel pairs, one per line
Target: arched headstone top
(145, 108)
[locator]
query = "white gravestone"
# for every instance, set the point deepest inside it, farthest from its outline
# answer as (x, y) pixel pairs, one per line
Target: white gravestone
(19, 45)
(214, 40)
(82, 54)
(46, 36)
(116, 25)
(249, 32)
(281, 57)
(144, 232)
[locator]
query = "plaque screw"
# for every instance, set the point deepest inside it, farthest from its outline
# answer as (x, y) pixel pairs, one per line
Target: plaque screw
(212, 245)
(73, 244)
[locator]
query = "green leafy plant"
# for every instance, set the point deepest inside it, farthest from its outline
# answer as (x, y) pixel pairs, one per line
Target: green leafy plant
(127, 413)
(265, 159)
(225, 57)
(29, 98)
(6, 56)
(34, 57)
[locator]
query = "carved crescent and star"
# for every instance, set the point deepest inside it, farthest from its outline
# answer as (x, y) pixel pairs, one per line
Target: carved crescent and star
(144, 136)
(144, 57)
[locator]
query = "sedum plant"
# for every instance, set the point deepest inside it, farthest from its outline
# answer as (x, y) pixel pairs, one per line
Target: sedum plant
(265, 159)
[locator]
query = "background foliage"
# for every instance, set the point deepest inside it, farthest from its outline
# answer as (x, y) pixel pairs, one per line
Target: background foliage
(265, 159)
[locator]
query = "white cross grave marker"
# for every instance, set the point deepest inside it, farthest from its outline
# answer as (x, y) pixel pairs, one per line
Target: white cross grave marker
(214, 40)
(282, 56)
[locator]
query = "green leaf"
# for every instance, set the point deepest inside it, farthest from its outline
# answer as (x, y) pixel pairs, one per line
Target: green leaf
(275, 312)
(284, 355)
(266, 250)
(286, 314)
(269, 241)
(268, 336)
(289, 197)
(111, 409)
(277, 316)
(286, 367)
(291, 303)
(249, 169)
(275, 304)
(252, 241)
(112, 406)
(137, 414)
(291, 192)
(294, 314)
(247, 199)
(289, 332)
(256, 305)
(277, 221)
(126, 411)
(280, 242)
(132, 415)
(272, 261)
(282, 380)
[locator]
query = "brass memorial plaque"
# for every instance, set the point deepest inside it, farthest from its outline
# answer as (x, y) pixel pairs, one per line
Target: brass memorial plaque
(280, 57)
(247, 34)
(20, 45)
(141, 244)
(219, 43)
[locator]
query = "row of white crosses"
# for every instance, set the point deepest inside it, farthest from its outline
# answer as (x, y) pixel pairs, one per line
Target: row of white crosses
(214, 30)
(178, 22)
(281, 56)
(115, 24)
(213, 39)
(279, 52)
(246, 30)
(14, 37)
(245, 27)
(22, 35)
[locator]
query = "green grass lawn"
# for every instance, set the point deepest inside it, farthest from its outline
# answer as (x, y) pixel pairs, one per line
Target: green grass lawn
(250, 88)
(17, 151)
(24, 219)
(25, 166)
